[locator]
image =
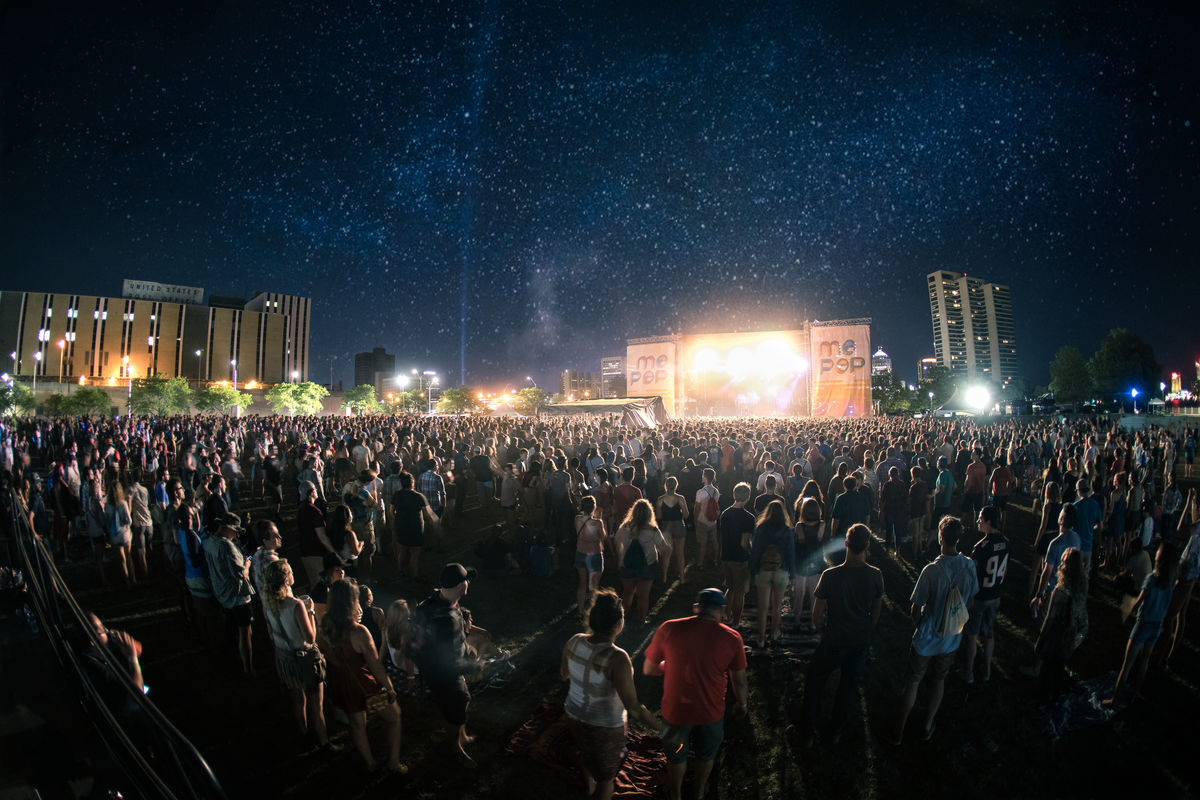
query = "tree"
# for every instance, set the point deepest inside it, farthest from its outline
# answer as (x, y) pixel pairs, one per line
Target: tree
(88, 401)
(297, 398)
(891, 393)
(1123, 362)
(16, 399)
(55, 405)
(160, 396)
(1070, 379)
(361, 399)
(458, 401)
(941, 381)
(410, 401)
(221, 399)
(529, 400)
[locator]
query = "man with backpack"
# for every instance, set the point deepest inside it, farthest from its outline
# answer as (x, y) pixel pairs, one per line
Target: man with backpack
(939, 611)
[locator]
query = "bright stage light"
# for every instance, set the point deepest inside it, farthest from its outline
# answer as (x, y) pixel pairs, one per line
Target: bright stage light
(978, 398)
(739, 362)
(707, 360)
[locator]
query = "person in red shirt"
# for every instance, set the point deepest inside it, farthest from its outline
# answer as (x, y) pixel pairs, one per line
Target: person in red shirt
(697, 656)
(974, 486)
(1000, 485)
(624, 496)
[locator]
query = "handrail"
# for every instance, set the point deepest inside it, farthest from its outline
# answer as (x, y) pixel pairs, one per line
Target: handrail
(172, 768)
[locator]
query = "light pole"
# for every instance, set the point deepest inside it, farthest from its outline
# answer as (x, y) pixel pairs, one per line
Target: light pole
(61, 348)
(198, 352)
(14, 358)
(295, 375)
(128, 378)
(1134, 393)
(37, 360)
(432, 383)
(237, 410)
(931, 404)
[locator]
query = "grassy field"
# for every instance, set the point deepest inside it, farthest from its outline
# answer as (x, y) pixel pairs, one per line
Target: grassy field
(992, 738)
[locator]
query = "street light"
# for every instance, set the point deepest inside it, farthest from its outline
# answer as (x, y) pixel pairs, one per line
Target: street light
(1134, 393)
(125, 369)
(198, 352)
(295, 375)
(237, 410)
(14, 358)
(931, 404)
(61, 347)
(37, 359)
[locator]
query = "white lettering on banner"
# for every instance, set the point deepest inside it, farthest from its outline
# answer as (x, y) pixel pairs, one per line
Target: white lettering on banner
(650, 370)
(150, 290)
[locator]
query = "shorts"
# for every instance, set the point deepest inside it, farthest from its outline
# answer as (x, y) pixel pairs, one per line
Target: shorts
(675, 529)
(772, 579)
(706, 531)
(983, 618)
(736, 576)
(705, 741)
(645, 573)
(1145, 632)
(240, 616)
(601, 749)
(918, 665)
(1000, 501)
(915, 526)
(451, 698)
(972, 502)
(592, 562)
(122, 538)
(141, 536)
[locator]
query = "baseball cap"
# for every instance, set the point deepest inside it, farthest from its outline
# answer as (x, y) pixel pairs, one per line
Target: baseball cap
(453, 574)
(711, 598)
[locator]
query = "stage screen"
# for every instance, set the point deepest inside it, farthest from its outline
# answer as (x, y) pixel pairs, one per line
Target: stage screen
(650, 371)
(745, 374)
(841, 370)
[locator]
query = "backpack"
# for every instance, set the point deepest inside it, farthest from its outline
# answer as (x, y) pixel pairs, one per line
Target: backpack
(954, 619)
(712, 509)
(772, 557)
(635, 556)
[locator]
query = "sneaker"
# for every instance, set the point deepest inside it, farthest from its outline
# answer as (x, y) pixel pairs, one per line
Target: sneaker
(969, 677)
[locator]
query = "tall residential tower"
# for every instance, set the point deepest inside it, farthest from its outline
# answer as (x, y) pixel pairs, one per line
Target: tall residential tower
(973, 333)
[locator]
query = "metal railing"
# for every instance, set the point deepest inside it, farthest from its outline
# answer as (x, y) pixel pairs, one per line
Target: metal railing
(155, 759)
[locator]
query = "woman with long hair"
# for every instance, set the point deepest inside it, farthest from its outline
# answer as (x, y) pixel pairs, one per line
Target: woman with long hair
(772, 567)
(343, 538)
(299, 664)
(640, 544)
(355, 673)
(396, 624)
(1151, 606)
(672, 516)
(1047, 530)
(811, 533)
(120, 531)
(1064, 625)
(601, 694)
(590, 538)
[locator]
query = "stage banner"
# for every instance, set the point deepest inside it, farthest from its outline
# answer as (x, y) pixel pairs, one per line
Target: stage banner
(650, 371)
(841, 370)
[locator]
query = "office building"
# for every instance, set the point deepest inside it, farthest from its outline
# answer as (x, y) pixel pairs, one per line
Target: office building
(153, 328)
(881, 363)
(973, 334)
(373, 369)
(612, 376)
(578, 385)
(298, 311)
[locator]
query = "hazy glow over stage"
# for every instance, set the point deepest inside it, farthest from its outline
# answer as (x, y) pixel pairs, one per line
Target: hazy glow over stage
(821, 369)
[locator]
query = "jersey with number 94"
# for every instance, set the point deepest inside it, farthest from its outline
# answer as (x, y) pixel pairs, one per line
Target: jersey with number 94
(991, 564)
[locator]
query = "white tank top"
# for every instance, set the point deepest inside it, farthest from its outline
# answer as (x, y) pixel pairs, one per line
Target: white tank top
(592, 698)
(285, 633)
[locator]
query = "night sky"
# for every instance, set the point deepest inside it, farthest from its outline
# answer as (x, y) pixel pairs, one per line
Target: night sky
(564, 176)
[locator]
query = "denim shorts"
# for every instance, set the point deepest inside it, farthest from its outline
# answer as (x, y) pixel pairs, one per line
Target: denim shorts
(705, 742)
(589, 561)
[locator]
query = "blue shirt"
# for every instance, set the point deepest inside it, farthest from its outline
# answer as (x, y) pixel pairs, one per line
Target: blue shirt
(945, 478)
(931, 592)
(1087, 516)
(1058, 546)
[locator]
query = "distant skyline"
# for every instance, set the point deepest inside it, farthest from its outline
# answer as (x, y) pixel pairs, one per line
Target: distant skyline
(552, 180)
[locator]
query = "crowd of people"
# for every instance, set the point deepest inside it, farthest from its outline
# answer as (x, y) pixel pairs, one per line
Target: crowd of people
(784, 510)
